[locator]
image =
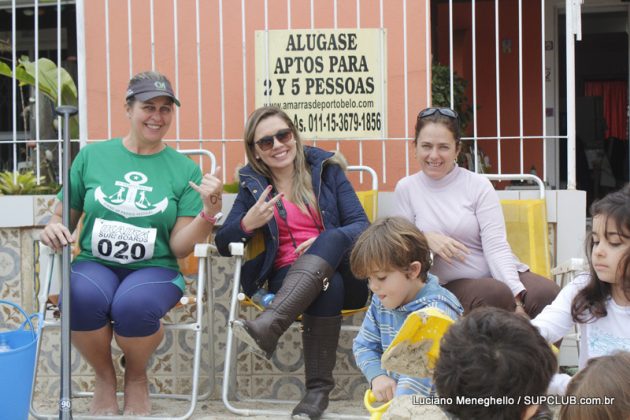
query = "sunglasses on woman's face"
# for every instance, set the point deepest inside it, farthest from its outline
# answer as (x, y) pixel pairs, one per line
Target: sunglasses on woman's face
(266, 143)
(447, 112)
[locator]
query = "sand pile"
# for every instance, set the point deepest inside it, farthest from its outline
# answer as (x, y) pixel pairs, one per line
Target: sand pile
(403, 408)
(409, 358)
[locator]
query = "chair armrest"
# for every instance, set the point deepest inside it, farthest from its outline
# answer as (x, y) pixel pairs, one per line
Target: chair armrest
(45, 250)
(237, 248)
(204, 250)
(570, 265)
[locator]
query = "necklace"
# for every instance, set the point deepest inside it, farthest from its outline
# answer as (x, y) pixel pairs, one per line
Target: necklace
(282, 212)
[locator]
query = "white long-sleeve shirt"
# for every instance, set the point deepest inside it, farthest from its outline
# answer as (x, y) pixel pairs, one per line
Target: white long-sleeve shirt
(464, 206)
(598, 337)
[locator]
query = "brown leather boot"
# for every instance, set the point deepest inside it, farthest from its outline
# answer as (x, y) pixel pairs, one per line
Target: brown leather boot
(320, 339)
(304, 281)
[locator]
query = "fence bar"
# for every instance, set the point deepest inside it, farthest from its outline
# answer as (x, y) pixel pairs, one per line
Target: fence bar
(14, 88)
(108, 72)
(129, 38)
(360, 141)
(37, 128)
(450, 52)
(152, 27)
(477, 164)
(335, 27)
(81, 70)
(383, 148)
(244, 53)
(427, 49)
(498, 81)
(406, 84)
(570, 70)
(199, 101)
(288, 14)
(176, 58)
(520, 80)
(544, 87)
(59, 120)
(222, 75)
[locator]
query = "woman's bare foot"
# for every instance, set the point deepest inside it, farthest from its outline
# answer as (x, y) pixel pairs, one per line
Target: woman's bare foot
(104, 402)
(137, 396)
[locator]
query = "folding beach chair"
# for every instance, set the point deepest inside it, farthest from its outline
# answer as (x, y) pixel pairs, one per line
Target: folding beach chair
(369, 201)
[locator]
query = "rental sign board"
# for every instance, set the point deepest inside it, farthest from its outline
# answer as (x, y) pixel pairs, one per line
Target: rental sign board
(331, 82)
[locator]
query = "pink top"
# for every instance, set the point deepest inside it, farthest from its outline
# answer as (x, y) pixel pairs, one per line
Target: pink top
(303, 226)
(464, 206)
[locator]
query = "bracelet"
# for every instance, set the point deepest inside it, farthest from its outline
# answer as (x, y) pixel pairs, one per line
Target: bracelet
(211, 219)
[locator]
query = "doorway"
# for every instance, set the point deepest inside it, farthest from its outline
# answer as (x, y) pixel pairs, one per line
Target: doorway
(601, 90)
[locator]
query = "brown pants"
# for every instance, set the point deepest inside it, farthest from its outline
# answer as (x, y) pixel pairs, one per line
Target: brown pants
(473, 293)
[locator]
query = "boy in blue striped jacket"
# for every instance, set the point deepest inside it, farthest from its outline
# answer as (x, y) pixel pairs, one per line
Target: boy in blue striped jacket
(395, 258)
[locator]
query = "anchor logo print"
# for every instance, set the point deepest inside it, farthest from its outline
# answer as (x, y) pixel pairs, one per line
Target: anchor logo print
(130, 200)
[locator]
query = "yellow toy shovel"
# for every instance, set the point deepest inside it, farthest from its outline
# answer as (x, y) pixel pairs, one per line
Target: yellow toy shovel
(375, 412)
(416, 347)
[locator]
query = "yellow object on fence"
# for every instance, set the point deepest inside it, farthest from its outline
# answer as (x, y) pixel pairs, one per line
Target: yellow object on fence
(527, 234)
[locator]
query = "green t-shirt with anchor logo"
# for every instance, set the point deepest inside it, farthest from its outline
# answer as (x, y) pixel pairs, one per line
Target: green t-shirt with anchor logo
(131, 203)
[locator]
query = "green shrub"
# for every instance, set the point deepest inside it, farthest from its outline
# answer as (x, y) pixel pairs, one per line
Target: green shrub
(24, 183)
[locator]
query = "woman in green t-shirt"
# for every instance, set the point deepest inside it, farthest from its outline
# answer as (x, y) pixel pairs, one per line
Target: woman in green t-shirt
(144, 205)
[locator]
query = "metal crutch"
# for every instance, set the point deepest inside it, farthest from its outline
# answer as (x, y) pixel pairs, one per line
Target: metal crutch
(65, 400)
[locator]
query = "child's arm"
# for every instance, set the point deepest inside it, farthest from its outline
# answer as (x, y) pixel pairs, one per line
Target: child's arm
(408, 385)
(367, 347)
(555, 321)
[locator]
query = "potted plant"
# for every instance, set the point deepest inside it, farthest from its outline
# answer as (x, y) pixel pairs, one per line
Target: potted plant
(25, 200)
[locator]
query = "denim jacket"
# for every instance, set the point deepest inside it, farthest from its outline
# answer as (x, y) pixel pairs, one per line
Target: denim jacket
(339, 208)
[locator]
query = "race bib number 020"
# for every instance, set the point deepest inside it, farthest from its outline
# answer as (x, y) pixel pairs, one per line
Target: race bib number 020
(121, 242)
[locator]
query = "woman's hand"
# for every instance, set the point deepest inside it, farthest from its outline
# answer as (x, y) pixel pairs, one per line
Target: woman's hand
(211, 192)
(55, 235)
(383, 388)
(304, 246)
(446, 247)
(261, 212)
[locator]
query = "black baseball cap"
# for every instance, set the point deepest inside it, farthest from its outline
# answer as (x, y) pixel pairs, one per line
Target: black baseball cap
(145, 89)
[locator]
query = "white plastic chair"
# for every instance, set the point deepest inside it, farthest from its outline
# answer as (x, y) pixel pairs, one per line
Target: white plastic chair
(203, 317)
(564, 274)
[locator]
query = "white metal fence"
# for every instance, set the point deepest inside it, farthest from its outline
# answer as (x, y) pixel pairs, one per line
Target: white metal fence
(121, 14)
(23, 134)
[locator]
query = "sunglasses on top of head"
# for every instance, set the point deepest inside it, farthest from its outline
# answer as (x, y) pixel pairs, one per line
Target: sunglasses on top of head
(447, 112)
(266, 143)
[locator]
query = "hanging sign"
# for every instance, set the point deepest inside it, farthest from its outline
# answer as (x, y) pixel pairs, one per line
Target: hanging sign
(332, 83)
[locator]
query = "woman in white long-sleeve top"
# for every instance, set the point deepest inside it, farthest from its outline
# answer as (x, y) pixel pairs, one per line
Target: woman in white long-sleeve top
(460, 214)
